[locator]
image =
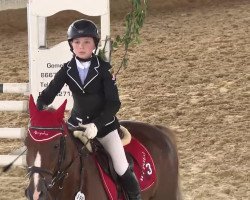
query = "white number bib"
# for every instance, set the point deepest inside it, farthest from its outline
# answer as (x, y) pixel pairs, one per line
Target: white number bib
(79, 196)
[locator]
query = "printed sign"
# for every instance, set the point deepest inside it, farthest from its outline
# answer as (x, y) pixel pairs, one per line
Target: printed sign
(44, 65)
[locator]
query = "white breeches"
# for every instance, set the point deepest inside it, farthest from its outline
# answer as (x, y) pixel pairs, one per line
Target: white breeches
(113, 145)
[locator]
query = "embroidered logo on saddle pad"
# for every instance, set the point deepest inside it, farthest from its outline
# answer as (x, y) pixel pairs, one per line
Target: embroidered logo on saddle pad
(144, 169)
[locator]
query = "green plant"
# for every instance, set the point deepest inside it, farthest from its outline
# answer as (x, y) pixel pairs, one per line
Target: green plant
(133, 23)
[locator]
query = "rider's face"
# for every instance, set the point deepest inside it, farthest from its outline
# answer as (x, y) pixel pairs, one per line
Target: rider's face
(83, 47)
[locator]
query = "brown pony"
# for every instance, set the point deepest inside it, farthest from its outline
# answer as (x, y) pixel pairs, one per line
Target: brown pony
(57, 173)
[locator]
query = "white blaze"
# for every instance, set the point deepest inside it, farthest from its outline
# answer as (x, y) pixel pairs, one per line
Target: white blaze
(37, 163)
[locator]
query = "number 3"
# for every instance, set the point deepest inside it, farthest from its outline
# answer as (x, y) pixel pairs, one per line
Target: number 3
(149, 169)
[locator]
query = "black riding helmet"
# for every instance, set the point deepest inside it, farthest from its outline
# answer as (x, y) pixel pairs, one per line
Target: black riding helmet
(83, 28)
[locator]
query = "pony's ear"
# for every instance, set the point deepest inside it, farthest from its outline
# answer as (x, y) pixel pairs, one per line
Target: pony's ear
(32, 106)
(61, 109)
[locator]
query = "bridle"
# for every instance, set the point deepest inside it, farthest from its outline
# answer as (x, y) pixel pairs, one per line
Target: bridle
(60, 173)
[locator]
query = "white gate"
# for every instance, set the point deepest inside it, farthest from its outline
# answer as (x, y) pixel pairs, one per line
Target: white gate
(42, 58)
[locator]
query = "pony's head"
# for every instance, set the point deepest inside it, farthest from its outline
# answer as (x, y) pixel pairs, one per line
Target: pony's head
(46, 143)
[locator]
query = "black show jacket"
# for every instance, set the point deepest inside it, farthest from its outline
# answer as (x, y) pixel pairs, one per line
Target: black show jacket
(96, 100)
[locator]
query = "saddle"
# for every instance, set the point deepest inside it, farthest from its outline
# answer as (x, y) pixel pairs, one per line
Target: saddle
(138, 157)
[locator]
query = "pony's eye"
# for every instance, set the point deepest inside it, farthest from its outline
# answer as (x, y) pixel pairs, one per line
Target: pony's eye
(56, 146)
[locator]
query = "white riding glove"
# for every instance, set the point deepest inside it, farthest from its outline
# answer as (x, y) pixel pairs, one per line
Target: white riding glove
(91, 130)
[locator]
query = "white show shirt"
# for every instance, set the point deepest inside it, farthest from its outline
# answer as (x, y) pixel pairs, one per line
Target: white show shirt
(83, 68)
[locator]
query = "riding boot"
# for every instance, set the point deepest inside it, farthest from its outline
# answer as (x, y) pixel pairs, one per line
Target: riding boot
(130, 185)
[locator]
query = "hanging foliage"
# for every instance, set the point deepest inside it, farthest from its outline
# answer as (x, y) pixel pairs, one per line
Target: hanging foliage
(133, 23)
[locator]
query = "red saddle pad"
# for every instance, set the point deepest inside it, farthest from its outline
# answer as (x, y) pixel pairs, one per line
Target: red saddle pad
(144, 169)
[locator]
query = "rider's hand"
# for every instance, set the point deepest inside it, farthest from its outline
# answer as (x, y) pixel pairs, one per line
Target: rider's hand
(91, 130)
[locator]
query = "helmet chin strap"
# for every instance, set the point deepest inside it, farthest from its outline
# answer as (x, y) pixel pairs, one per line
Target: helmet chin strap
(82, 59)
